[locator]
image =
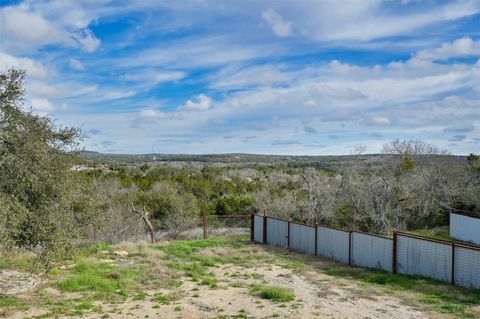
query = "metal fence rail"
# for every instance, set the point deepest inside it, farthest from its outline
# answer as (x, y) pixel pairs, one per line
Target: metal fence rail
(446, 261)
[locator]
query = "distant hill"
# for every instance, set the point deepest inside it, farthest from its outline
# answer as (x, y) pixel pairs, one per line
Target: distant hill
(327, 162)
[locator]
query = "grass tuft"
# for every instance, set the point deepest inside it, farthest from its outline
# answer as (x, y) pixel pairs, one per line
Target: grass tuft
(274, 293)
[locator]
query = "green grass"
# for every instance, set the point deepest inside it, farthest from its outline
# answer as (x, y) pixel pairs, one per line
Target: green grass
(103, 279)
(436, 233)
(8, 304)
(212, 282)
(162, 298)
(18, 260)
(274, 293)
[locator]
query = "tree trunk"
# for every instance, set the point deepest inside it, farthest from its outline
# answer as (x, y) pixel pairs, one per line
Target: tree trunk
(144, 216)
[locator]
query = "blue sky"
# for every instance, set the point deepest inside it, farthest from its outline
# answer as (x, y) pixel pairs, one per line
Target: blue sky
(271, 77)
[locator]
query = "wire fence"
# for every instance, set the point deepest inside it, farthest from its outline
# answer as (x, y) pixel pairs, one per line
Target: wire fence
(446, 261)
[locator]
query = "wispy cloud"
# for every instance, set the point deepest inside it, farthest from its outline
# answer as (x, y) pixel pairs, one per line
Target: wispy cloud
(280, 26)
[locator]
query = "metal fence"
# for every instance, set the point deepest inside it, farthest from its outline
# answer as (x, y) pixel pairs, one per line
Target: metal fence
(467, 267)
(333, 244)
(447, 261)
(465, 228)
(258, 229)
(277, 233)
(371, 251)
(417, 256)
(302, 238)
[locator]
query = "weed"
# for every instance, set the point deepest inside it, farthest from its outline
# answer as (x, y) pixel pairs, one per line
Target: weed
(212, 282)
(278, 294)
(162, 298)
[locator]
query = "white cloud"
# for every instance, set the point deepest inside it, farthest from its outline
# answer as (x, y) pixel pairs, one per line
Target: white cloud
(152, 114)
(144, 79)
(373, 19)
(116, 94)
(76, 65)
(58, 90)
(463, 47)
(202, 103)
(311, 103)
(280, 27)
(88, 42)
(42, 105)
(197, 52)
(236, 77)
(34, 69)
(381, 120)
(168, 76)
(23, 25)
(32, 25)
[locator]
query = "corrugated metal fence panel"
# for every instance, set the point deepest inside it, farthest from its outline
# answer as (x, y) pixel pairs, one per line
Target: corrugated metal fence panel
(467, 267)
(302, 238)
(333, 244)
(465, 228)
(372, 251)
(424, 258)
(258, 228)
(277, 232)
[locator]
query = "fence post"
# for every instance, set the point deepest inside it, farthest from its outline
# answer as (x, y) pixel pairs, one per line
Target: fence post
(453, 263)
(288, 233)
(394, 253)
(316, 236)
(94, 233)
(205, 226)
(350, 247)
(252, 225)
(264, 226)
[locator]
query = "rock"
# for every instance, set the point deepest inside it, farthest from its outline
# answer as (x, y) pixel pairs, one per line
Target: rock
(14, 282)
(120, 253)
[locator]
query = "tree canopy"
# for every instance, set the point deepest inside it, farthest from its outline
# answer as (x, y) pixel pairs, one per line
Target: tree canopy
(36, 157)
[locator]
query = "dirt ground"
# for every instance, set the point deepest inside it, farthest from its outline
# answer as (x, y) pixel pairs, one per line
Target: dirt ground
(316, 296)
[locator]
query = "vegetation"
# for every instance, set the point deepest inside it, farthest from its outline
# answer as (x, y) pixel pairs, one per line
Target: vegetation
(412, 186)
(37, 209)
(278, 294)
(168, 276)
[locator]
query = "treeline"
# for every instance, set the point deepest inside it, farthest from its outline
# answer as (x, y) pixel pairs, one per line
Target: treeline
(413, 185)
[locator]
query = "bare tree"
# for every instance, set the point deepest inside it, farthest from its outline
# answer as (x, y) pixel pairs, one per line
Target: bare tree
(144, 215)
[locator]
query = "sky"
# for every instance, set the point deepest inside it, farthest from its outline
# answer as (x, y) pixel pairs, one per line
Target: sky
(268, 77)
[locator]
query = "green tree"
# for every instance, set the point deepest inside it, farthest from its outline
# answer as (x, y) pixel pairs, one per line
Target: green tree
(36, 157)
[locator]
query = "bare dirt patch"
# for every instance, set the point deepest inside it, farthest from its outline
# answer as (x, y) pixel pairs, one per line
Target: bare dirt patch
(233, 299)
